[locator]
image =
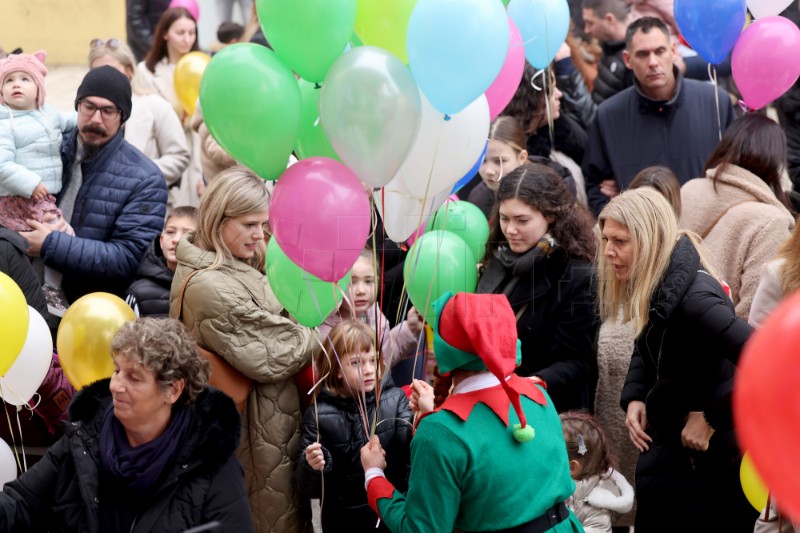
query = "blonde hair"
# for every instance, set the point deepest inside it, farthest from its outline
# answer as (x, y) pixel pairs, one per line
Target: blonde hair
(653, 227)
(235, 192)
(124, 55)
(350, 336)
(789, 272)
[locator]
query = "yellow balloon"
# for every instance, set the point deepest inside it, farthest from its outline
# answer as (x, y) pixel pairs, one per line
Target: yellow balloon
(85, 333)
(13, 322)
(383, 23)
(188, 73)
(754, 489)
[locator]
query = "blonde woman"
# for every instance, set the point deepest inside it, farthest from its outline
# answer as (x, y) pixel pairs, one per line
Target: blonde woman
(152, 128)
(231, 310)
(677, 392)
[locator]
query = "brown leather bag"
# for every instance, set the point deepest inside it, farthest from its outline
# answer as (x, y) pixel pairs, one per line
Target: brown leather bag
(223, 375)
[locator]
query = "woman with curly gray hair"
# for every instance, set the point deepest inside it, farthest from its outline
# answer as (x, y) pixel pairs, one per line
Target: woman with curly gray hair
(151, 449)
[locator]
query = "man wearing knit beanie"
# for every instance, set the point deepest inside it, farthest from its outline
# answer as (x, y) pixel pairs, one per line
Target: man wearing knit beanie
(113, 195)
(492, 457)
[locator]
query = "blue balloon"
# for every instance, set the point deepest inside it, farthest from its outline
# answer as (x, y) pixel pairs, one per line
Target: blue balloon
(456, 48)
(543, 26)
(711, 27)
(471, 172)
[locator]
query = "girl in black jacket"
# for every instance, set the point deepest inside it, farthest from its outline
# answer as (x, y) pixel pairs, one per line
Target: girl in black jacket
(539, 255)
(350, 407)
(678, 390)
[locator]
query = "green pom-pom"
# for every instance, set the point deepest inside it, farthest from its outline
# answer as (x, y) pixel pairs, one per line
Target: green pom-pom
(523, 434)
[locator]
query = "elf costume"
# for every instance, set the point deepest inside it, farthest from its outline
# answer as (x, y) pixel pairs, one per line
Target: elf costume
(492, 457)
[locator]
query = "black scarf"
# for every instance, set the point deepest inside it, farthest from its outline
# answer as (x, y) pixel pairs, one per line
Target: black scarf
(136, 470)
(506, 263)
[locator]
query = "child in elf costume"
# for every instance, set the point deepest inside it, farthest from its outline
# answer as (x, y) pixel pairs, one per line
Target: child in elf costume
(492, 457)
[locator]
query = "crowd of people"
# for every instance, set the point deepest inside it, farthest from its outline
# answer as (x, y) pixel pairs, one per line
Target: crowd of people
(641, 228)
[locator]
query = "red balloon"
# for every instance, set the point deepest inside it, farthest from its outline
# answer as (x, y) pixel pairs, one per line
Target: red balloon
(766, 403)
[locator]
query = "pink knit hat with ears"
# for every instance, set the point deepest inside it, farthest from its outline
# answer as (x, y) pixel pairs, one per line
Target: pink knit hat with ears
(32, 64)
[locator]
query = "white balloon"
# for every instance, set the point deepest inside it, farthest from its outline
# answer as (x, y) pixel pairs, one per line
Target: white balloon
(445, 148)
(767, 8)
(25, 376)
(402, 211)
(8, 465)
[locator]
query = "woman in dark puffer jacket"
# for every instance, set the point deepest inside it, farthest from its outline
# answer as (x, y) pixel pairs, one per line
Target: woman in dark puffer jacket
(334, 429)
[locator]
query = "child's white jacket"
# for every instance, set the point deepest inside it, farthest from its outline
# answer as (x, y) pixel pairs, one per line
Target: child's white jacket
(598, 500)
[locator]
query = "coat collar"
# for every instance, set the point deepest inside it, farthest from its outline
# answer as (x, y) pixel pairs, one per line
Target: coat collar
(683, 266)
(661, 107)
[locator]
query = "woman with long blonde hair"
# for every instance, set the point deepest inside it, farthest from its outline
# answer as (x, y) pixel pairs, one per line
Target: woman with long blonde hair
(231, 310)
(677, 392)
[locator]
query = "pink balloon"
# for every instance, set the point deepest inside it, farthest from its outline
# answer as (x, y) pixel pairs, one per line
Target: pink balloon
(765, 60)
(504, 86)
(320, 215)
(190, 5)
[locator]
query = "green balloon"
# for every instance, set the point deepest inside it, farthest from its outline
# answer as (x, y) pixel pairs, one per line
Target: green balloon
(308, 35)
(438, 262)
(251, 105)
(309, 299)
(465, 220)
(311, 139)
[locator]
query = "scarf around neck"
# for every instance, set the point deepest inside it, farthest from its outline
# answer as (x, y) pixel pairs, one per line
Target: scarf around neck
(506, 263)
(138, 469)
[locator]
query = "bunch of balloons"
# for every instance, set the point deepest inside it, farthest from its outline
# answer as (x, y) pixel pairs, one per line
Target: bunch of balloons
(385, 102)
(764, 60)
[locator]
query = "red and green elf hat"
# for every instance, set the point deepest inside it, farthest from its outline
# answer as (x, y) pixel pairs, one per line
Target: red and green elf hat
(479, 332)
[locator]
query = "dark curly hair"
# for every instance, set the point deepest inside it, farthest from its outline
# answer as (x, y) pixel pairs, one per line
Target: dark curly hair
(528, 103)
(597, 456)
(543, 189)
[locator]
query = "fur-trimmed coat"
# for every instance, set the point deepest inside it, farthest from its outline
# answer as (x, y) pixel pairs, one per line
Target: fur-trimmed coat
(597, 500)
(753, 226)
(204, 484)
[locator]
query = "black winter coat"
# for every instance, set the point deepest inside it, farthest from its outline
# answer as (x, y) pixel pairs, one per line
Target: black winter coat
(141, 18)
(612, 74)
(558, 326)
(15, 264)
(341, 432)
(205, 483)
(149, 293)
(632, 132)
(685, 360)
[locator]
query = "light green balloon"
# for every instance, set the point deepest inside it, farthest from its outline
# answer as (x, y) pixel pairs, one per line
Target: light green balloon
(251, 105)
(308, 35)
(438, 262)
(311, 139)
(309, 299)
(465, 220)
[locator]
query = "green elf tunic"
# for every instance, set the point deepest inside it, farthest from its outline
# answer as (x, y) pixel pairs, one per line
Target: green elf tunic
(469, 473)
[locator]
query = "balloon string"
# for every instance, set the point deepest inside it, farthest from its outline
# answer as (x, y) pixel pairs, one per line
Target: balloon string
(21, 443)
(548, 92)
(712, 72)
(744, 107)
(11, 432)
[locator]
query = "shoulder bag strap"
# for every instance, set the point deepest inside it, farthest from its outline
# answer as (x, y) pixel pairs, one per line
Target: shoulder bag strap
(180, 293)
(709, 228)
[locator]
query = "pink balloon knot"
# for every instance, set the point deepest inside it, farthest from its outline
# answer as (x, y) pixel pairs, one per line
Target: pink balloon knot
(744, 107)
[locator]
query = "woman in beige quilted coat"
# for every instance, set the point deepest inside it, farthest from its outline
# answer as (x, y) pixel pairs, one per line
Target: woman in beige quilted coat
(739, 208)
(232, 311)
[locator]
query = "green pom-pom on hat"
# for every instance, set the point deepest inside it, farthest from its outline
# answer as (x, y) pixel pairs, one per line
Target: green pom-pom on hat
(523, 434)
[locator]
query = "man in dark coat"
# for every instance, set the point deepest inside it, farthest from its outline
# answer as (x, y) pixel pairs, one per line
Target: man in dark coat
(663, 119)
(607, 21)
(113, 196)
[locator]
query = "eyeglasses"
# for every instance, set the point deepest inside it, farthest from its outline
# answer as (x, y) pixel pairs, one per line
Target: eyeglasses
(112, 44)
(88, 109)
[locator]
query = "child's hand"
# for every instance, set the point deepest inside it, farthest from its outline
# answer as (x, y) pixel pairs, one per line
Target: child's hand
(40, 192)
(373, 455)
(422, 397)
(315, 457)
(414, 321)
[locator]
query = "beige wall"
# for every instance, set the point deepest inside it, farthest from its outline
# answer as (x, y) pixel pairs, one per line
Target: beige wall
(61, 27)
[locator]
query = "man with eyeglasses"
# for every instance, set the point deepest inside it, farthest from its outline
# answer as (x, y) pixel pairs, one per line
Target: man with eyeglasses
(113, 195)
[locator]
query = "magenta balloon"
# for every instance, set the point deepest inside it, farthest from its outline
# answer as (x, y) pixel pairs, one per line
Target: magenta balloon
(765, 60)
(320, 215)
(504, 86)
(190, 5)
